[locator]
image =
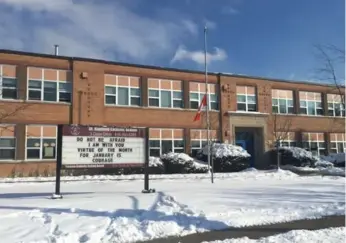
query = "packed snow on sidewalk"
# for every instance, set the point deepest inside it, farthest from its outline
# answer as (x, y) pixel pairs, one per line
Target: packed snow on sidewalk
(335, 235)
(117, 211)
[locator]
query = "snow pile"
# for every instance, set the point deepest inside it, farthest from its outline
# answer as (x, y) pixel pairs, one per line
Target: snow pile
(182, 163)
(336, 159)
(155, 162)
(248, 174)
(118, 211)
(221, 150)
(335, 235)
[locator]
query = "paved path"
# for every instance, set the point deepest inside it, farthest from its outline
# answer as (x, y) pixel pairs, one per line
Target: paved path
(256, 232)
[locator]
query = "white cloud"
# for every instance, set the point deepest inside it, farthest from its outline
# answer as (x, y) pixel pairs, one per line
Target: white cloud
(229, 10)
(210, 24)
(88, 28)
(198, 56)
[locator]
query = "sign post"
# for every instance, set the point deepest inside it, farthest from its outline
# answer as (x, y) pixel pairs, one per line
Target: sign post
(81, 147)
(146, 164)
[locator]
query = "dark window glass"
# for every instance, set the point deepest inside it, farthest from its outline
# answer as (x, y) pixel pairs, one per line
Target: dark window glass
(290, 110)
(319, 112)
(154, 152)
(333, 151)
(275, 102)
(135, 92)
(166, 146)
(293, 144)
(33, 153)
(179, 143)
(34, 95)
(214, 106)
(166, 98)
(194, 152)
(180, 150)
(110, 99)
(9, 93)
(7, 154)
(241, 98)
(340, 147)
(275, 109)
(7, 142)
(50, 91)
(195, 144)
(64, 97)
(302, 111)
(154, 143)
(33, 143)
(110, 90)
(135, 101)
(34, 84)
(194, 104)
(153, 93)
(313, 145)
(154, 102)
(241, 107)
(330, 112)
(251, 107)
(177, 103)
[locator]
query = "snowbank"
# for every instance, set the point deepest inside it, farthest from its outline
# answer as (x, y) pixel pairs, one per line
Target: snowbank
(335, 235)
(221, 150)
(240, 176)
(155, 162)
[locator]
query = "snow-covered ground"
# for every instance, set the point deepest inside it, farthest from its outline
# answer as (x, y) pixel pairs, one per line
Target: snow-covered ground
(335, 235)
(116, 211)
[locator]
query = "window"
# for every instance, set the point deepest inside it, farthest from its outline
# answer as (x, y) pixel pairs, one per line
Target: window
(288, 140)
(197, 92)
(199, 139)
(314, 142)
(7, 142)
(49, 85)
(310, 104)
(337, 143)
(162, 141)
(335, 105)
(282, 101)
(8, 82)
(122, 90)
(165, 93)
(246, 99)
(41, 142)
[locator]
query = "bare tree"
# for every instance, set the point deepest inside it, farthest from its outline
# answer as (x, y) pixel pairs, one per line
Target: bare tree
(281, 127)
(330, 57)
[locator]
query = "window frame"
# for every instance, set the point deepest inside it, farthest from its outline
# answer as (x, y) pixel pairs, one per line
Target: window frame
(116, 95)
(160, 139)
(247, 99)
(2, 76)
(42, 81)
(337, 142)
(334, 105)
(309, 141)
(201, 94)
(15, 148)
(306, 106)
(172, 99)
(41, 138)
(287, 106)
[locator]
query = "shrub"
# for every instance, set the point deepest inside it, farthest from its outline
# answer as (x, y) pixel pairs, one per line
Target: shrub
(176, 163)
(292, 156)
(226, 157)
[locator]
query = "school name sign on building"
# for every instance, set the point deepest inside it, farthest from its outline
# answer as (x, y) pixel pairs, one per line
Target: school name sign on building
(102, 147)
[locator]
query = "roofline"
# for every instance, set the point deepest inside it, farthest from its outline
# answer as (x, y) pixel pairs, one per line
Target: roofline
(15, 52)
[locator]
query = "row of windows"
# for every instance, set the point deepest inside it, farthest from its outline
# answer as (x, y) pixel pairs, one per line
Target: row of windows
(53, 86)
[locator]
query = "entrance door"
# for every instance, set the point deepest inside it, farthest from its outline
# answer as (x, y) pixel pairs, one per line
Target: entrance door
(246, 141)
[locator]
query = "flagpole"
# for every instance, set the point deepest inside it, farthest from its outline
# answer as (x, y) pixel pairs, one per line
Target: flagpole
(207, 107)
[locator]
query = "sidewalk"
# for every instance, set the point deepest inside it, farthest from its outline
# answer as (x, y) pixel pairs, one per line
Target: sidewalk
(256, 232)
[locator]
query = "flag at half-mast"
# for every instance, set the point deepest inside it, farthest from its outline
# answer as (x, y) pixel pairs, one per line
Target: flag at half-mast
(200, 108)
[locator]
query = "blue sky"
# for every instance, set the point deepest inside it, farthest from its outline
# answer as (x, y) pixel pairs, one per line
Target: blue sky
(268, 38)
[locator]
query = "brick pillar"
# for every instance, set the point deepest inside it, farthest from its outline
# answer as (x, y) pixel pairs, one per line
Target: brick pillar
(327, 142)
(20, 141)
(325, 103)
(186, 94)
(144, 91)
(22, 81)
(299, 138)
(296, 101)
(187, 140)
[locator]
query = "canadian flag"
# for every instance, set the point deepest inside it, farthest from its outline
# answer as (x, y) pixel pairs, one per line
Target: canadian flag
(201, 106)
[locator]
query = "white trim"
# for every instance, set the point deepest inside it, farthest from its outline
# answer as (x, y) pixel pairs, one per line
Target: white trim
(306, 100)
(247, 103)
(41, 141)
(42, 80)
(201, 93)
